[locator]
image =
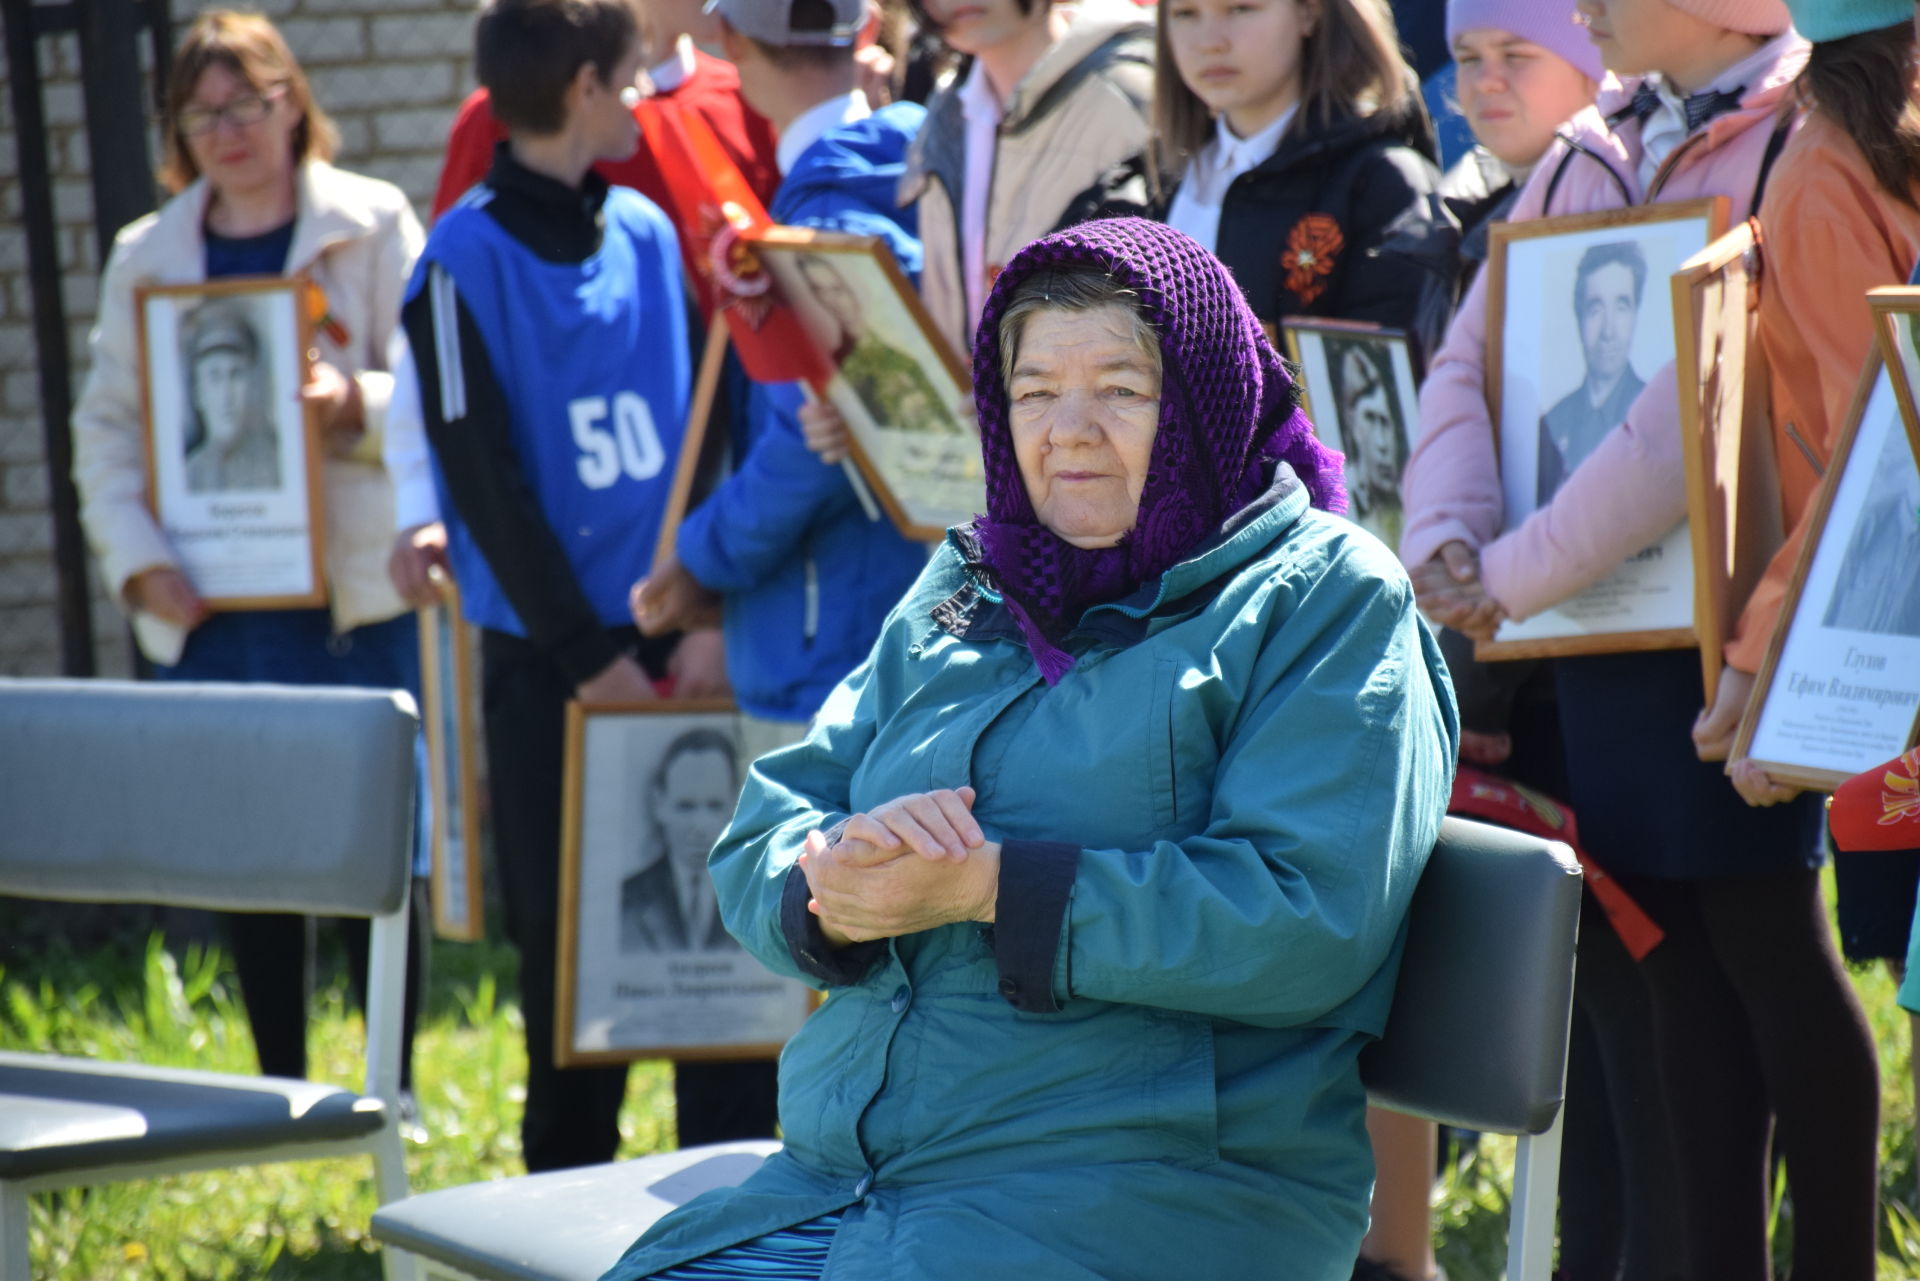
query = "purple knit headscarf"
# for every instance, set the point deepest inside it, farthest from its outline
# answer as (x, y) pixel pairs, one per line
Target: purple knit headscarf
(1226, 411)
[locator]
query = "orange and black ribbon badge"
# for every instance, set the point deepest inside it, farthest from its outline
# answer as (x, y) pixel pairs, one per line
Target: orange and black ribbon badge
(323, 318)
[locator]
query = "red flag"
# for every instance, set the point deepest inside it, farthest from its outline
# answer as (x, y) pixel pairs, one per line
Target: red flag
(714, 210)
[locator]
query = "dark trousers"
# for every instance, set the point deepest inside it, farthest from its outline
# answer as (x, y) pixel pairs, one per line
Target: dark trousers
(1764, 1049)
(273, 955)
(572, 1114)
(273, 952)
(1620, 1216)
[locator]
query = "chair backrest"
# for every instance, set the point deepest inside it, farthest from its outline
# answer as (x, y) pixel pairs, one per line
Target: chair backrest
(236, 797)
(1477, 1037)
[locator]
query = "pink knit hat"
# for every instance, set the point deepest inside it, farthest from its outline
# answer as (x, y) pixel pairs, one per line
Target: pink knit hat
(1753, 17)
(1547, 23)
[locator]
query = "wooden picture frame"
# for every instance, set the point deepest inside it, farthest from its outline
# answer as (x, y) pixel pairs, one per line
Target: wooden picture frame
(904, 393)
(1367, 407)
(449, 703)
(635, 977)
(233, 455)
(1838, 692)
(1540, 392)
(1896, 322)
(1733, 508)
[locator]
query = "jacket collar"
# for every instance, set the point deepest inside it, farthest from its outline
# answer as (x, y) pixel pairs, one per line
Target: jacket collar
(1601, 131)
(321, 219)
(976, 612)
(1341, 136)
(1097, 23)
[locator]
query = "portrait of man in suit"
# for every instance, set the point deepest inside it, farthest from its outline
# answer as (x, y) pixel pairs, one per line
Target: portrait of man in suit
(1607, 289)
(668, 905)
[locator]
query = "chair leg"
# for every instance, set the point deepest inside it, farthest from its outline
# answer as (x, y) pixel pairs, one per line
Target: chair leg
(398, 1265)
(390, 1164)
(1536, 1178)
(14, 1260)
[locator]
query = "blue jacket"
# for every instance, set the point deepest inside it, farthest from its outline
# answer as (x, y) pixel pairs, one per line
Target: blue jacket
(807, 577)
(1211, 829)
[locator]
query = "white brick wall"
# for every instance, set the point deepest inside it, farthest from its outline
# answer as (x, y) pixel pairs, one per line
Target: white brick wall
(391, 74)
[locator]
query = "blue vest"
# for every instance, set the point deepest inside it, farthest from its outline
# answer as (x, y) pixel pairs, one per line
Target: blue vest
(593, 359)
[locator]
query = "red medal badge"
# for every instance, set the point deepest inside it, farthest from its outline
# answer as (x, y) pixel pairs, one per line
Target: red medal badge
(1312, 248)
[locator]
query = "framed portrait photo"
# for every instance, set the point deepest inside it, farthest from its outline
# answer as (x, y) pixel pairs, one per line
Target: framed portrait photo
(233, 465)
(905, 395)
(1839, 692)
(450, 706)
(1360, 392)
(1579, 319)
(646, 968)
(1733, 510)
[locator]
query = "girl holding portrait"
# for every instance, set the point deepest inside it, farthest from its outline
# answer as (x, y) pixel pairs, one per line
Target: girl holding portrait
(1759, 1033)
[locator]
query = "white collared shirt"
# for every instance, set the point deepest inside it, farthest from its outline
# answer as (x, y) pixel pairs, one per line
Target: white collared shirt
(675, 70)
(983, 112)
(1666, 128)
(1196, 205)
(813, 124)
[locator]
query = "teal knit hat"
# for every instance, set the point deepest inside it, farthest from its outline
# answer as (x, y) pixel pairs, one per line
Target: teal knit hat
(1824, 20)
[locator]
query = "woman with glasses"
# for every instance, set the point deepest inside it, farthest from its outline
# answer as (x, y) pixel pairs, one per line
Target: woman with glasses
(247, 153)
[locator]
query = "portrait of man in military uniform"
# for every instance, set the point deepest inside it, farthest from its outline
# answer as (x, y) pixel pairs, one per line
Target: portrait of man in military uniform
(1607, 288)
(230, 441)
(890, 383)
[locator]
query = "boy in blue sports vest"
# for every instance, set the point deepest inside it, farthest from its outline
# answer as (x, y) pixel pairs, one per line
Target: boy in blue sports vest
(548, 327)
(806, 577)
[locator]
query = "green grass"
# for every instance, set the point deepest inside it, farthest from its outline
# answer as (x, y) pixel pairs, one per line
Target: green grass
(308, 1221)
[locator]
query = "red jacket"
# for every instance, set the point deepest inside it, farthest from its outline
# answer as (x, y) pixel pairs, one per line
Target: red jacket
(713, 90)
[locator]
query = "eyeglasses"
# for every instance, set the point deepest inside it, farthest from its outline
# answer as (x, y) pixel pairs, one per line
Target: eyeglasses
(248, 109)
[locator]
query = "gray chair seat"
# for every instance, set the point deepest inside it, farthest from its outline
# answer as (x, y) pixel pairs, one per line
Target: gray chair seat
(569, 1225)
(59, 1114)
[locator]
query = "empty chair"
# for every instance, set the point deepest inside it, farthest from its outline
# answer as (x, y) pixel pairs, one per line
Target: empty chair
(240, 798)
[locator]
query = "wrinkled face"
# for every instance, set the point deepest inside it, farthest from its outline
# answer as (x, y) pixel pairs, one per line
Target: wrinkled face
(695, 801)
(249, 145)
(1514, 93)
(830, 289)
(973, 25)
(1608, 311)
(1084, 407)
(1639, 36)
(221, 378)
(1240, 57)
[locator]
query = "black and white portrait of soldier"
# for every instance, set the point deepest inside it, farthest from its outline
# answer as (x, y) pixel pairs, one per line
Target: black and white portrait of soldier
(1607, 289)
(896, 392)
(230, 442)
(668, 905)
(1372, 432)
(1878, 589)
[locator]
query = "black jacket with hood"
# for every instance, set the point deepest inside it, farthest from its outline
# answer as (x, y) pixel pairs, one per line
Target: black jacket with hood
(1301, 229)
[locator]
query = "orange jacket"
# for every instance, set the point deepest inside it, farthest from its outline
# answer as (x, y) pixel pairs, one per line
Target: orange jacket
(1831, 233)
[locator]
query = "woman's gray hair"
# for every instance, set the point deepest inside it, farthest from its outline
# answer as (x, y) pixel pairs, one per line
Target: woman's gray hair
(1079, 287)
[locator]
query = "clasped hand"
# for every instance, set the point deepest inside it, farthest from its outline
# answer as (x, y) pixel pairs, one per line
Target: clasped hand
(915, 863)
(1448, 590)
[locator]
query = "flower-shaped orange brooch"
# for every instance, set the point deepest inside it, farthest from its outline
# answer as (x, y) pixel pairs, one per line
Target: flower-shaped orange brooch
(1312, 246)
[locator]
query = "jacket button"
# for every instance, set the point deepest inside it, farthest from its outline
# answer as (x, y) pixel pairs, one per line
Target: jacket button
(1009, 987)
(860, 1188)
(902, 996)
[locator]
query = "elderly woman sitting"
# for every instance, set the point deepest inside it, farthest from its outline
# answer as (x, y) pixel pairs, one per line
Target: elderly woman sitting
(1103, 855)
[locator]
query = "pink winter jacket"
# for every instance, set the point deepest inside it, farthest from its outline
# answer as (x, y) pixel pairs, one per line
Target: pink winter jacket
(1631, 489)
